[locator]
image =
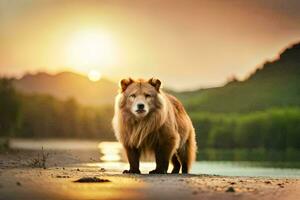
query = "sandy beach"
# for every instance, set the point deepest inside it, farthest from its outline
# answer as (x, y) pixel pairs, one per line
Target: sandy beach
(20, 180)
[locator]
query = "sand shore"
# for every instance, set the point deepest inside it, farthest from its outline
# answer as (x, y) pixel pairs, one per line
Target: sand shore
(18, 180)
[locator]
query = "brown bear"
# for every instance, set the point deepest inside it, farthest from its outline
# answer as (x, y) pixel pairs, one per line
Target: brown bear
(146, 119)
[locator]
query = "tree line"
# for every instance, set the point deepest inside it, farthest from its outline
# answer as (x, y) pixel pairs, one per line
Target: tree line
(270, 129)
(43, 116)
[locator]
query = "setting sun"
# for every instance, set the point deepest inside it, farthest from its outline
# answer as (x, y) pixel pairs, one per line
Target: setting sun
(89, 49)
(94, 75)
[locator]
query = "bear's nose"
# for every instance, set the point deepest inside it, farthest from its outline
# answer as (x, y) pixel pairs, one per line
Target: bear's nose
(140, 106)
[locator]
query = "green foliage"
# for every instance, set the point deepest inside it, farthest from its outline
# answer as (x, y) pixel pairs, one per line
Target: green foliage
(45, 116)
(9, 107)
(271, 129)
(4, 144)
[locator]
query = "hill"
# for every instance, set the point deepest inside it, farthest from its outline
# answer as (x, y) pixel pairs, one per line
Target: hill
(67, 84)
(275, 84)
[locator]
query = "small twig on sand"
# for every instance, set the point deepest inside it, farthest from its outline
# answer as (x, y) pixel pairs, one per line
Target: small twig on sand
(40, 161)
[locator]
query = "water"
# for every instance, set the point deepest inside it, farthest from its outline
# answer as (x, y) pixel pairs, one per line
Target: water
(257, 169)
(112, 158)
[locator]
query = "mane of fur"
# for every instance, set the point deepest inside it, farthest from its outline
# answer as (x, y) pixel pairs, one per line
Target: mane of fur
(133, 132)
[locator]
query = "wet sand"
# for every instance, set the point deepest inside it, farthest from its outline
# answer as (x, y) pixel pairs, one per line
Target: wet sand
(19, 180)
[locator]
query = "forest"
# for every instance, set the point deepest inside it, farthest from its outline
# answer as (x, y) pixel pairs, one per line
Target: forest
(43, 116)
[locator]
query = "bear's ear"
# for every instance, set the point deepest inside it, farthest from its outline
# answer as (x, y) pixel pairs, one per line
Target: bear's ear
(155, 83)
(124, 83)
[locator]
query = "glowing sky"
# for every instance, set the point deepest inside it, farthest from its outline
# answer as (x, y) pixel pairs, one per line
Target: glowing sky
(187, 44)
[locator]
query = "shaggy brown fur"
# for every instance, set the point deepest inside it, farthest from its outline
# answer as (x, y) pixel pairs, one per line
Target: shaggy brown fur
(148, 119)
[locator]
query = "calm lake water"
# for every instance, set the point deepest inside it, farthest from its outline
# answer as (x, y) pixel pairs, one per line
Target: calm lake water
(233, 163)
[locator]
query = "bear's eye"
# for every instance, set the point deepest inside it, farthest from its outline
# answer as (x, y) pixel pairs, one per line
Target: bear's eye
(132, 96)
(147, 95)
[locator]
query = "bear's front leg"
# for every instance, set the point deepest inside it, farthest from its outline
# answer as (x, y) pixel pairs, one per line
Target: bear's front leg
(163, 153)
(133, 155)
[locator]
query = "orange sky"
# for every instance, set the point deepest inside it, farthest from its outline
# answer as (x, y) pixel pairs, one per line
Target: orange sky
(188, 44)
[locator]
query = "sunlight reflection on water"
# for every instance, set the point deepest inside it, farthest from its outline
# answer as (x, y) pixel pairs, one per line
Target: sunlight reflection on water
(113, 158)
(110, 151)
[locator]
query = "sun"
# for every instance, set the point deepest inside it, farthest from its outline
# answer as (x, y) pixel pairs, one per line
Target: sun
(90, 49)
(94, 75)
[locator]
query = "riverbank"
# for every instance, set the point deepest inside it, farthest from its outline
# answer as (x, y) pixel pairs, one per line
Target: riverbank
(58, 183)
(20, 179)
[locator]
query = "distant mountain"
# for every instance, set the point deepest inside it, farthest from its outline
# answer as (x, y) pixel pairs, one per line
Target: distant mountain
(275, 84)
(67, 84)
